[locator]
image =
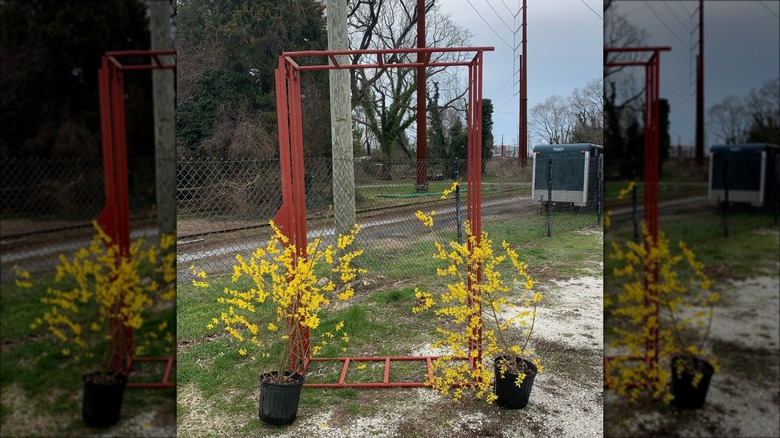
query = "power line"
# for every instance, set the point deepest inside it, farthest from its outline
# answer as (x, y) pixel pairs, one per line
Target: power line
(488, 24)
(684, 8)
(499, 17)
(510, 11)
(768, 9)
(675, 16)
(665, 25)
(588, 6)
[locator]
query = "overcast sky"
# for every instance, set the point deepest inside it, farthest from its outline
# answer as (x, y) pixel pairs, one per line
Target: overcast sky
(565, 46)
(741, 52)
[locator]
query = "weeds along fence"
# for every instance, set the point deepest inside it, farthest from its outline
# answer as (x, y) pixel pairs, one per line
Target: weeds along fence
(224, 207)
(729, 192)
(48, 206)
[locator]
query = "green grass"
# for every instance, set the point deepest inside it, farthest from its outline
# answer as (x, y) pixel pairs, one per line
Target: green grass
(378, 319)
(751, 250)
(666, 190)
(33, 368)
(747, 252)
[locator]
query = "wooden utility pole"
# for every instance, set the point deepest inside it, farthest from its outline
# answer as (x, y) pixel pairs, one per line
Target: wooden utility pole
(341, 122)
(700, 90)
(422, 153)
(522, 141)
(164, 118)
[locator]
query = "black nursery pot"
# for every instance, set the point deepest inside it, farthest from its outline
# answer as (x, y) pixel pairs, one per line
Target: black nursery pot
(509, 394)
(102, 400)
(279, 402)
(686, 396)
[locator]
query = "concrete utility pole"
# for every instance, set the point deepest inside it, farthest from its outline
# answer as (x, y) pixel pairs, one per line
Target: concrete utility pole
(422, 153)
(700, 90)
(341, 121)
(164, 118)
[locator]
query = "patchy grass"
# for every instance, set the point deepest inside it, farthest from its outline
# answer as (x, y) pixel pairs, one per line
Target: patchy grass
(742, 399)
(219, 389)
(42, 389)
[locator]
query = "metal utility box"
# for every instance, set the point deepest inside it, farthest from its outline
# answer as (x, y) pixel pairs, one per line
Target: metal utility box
(570, 173)
(749, 172)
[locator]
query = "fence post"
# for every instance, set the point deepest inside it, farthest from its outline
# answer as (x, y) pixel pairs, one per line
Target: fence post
(549, 198)
(725, 198)
(457, 205)
(599, 189)
(634, 218)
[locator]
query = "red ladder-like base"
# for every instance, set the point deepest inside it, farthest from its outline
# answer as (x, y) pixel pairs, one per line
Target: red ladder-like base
(385, 383)
(164, 383)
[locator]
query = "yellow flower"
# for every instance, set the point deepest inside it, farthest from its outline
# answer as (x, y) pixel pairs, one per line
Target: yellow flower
(449, 190)
(427, 220)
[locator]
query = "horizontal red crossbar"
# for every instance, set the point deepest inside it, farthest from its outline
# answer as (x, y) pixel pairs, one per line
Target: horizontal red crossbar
(154, 55)
(637, 49)
(384, 65)
(164, 383)
(381, 62)
(385, 383)
(387, 51)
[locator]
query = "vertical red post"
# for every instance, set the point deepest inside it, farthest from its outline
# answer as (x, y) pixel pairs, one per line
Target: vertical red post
(283, 218)
(115, 216)
(652, 127)
(474, 207)
(291, 218)
(299, 193)
(651, 198)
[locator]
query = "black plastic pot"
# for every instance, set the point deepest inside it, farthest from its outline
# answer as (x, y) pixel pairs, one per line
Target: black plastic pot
(509, 394)
(102, 402)
(279, 402)
(686, 396)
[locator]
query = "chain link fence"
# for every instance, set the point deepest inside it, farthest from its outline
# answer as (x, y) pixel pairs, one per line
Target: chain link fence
(224, 207)
(48, 206)
(738, 191)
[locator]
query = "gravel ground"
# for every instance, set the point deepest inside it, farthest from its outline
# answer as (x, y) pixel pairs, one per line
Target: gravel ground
(566, 400)
(743, 399)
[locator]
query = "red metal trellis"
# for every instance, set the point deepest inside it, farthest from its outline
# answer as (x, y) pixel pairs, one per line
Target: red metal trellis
(115, 216)
(652, 126)
(291, 217)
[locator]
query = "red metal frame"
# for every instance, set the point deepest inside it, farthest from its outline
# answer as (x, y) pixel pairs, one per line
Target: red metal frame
(115, 216)
(652, 126)
(291, 218)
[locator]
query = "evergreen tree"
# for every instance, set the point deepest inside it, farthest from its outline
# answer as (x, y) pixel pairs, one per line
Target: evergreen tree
(51, 53)
(487, 132)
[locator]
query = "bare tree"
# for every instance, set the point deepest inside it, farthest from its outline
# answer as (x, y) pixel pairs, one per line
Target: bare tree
(551, 120)
(386, 94)
(619, 31)
(586, 106)
(729, 120)
(763, 105)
